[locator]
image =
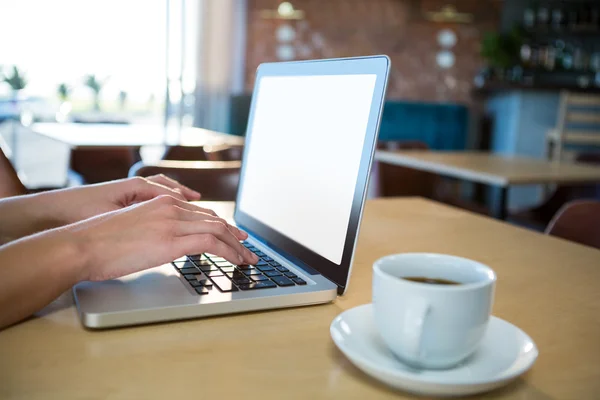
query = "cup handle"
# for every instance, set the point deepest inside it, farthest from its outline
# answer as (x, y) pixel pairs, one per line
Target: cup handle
(415, 320)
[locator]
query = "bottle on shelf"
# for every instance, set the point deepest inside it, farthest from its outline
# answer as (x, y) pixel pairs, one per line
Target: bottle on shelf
(558, 18)
(567, 58)
(572, 19)
(529, 16)
(543, 15)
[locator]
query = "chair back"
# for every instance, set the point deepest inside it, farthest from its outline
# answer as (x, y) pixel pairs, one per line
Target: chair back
(393, 180)
(97, 165)
(224, 152)
(185, 153)
(578, 124)
(578, 221)
(10, 184)
(215, 180)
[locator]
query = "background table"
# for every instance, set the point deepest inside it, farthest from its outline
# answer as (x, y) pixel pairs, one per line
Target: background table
(491, 169)
(546, 286)
(119, 136)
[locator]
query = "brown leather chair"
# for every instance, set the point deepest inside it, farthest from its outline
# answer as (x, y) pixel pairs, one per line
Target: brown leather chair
(224, 153)
(10, 184)
(400, 181)
(97, 165)
(185, 153)
(215, 180)
(578, 221)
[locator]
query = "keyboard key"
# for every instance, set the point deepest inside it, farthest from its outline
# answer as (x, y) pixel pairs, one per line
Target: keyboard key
(205, 283)
(202, 263)
(274, 264)
(235, 275)
(224, 284)
(208, 268)
(272, 273)
(245, 267)
(223, 263)
(195, 283)
(290, 275)
(258, 285)
(267, 258)
(282, 269)
(259, 253)
(190, 277)
(213, 273)
(189, 270)
(201, 290)
(299, 281)
(198, 257)
(227, 269)
(181, 259)
(216, 259)
(265, 268)
(282, 281)
(240, 281)
(185, 264)
(259, 278)
(261, 262)
(251, 272)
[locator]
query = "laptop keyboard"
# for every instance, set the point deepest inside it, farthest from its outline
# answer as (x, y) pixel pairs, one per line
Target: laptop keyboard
(205, 271)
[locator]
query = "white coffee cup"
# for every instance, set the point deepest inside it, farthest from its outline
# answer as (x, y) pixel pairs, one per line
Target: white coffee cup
(426, 325)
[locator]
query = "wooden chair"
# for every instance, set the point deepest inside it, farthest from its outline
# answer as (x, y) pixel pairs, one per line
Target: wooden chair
(216, 180)
(10, 184)
(578, 221)
(578, 124)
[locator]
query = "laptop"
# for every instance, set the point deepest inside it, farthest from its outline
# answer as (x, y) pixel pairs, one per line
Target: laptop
(310, 142)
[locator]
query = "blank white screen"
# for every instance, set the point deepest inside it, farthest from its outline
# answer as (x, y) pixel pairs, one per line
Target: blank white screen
(303, 159)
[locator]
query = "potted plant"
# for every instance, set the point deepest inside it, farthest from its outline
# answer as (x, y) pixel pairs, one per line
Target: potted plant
(64, 91)
(501, 51)
(95, 85)
(122, 99)
(16, 80)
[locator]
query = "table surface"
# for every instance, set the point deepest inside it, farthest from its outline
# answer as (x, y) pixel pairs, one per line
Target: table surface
(491, 168)
(115, 135)
(546, 286)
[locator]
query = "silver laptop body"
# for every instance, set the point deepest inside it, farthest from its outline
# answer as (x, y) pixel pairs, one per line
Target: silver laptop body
(310, 141)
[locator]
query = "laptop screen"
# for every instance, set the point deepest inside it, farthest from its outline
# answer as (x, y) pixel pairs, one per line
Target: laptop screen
(310, 141)
(303, 160)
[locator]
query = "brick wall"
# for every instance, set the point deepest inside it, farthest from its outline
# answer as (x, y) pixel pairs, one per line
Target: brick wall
(398, 28)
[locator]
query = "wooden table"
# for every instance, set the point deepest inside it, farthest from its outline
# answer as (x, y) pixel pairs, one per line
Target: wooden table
(130, 136)
(546, 286)
(491, 169)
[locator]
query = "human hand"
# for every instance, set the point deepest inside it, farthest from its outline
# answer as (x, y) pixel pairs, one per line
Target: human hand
(76, 204)
(153, 233)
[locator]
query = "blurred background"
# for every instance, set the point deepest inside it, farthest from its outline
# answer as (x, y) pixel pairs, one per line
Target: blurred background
(91, 88)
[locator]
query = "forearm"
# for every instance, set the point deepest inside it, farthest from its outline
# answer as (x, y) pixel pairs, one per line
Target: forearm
(36, 270)
(22, 216)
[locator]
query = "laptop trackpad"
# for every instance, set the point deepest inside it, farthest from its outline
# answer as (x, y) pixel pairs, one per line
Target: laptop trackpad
(156, 287)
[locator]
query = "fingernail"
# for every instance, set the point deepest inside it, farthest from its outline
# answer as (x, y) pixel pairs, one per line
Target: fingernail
(241, 258)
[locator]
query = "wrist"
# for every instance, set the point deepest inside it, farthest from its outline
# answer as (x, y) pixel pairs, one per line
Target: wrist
(44, 211)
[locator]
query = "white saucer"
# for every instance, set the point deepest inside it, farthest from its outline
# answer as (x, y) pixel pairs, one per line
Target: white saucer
(505, 353)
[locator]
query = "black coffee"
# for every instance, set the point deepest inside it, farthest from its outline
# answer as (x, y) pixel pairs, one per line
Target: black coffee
(433, 281)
